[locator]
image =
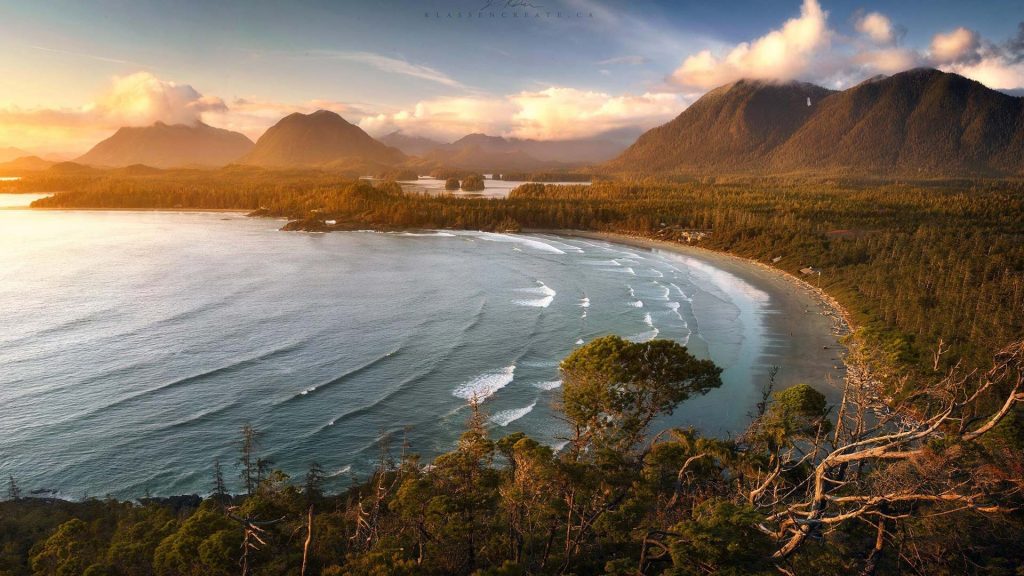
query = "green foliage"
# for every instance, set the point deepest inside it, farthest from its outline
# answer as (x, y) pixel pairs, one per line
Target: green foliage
(613, 388)
(721, 539)
(451, 184)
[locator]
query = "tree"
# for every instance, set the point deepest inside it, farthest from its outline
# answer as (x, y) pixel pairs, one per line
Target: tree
(220, 490)
(613, 388)
(251, 464)
(13, 491)
(451, 184)
(473, 183)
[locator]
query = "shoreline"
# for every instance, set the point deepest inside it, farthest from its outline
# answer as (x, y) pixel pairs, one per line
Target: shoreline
(803, 309)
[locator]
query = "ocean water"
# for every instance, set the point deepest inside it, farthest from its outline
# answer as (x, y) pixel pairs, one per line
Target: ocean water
(135, 345)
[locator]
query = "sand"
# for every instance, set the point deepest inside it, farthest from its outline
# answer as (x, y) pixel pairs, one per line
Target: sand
(815, 323)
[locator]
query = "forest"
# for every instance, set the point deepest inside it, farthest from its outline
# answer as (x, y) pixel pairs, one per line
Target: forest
(931, 272)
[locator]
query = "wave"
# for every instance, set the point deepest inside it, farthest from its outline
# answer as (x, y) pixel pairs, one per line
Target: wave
(340, 471)
(584, 302)
(234, 367)
(579, 342)
(486, 384)
(665, 289)
(518, 239)
(674, 307)
(657, 273)
(648, 320)
(601, 263)
(506, 417)
(543, 290)
(645, 336)
(637, 304)
(549, 385)
(345, 375)
(681, 293)
(437, 234)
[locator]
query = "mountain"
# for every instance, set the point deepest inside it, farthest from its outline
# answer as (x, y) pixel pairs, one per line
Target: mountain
(168, 146)
(322, 138)
(921, 122)
(411, 145)
(732, 127)
(10, 153)
(494, 153)
(24, 164)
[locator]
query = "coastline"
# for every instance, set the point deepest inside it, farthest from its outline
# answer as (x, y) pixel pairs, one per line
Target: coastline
(816, 353)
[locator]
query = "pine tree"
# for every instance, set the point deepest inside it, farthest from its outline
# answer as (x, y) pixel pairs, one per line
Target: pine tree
(220, 490)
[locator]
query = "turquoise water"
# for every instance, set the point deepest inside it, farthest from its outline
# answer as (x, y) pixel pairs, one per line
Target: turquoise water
(135, 345)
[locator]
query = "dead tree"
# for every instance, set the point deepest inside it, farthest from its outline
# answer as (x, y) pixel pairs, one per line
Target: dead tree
(886, 470)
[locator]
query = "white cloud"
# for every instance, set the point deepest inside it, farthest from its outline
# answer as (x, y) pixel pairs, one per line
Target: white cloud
(876, 26)
(781, 54)
(631, 60)
(139, 99)
(959, 45)
(388, 64)
(555, 113)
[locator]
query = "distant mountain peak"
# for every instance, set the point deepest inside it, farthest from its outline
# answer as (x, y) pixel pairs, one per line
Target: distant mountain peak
(318, 139)
(163, 145)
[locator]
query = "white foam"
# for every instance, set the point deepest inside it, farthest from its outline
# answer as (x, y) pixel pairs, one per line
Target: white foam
(506, 417)
(340, 471)
(434, 234)
(637, 304)
(657, 273)
(645, 336)
(630, 270)
(519, 239)
(585, 302)
(549, 385)
(681, 293)
(665, 291)
(486, 384)
(632, 293)
(648, 320)
(579, 342)
(674, 307)
(601, 263)
(543, 290)
(557, 446)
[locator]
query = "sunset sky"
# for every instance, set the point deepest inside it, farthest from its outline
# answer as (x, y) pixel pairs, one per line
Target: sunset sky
(73, 72)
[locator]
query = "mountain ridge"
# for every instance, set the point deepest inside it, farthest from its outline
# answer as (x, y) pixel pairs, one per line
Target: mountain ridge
(920, 122)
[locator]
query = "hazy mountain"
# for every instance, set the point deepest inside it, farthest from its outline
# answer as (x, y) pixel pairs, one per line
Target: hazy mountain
(917, 123)
(168, 146)
(732, 127)
(487, 153)
(411, 145)
(24, 164)
(10, 153)
(322, 138)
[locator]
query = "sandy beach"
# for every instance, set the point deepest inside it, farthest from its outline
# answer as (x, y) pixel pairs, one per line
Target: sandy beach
(813, 353)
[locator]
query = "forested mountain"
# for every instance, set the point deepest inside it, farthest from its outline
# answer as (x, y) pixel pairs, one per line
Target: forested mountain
(168, 146)
(322, 138)
(732, 128)
(922, 122)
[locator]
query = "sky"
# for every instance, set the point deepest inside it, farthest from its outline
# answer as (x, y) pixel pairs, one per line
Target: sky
(72, 72)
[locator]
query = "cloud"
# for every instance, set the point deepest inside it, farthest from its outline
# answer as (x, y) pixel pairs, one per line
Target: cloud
(138, 99)
(959, 45)
(876, 26)
(782, 54)
(388, 64)
(555, 113)
(631, 60)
